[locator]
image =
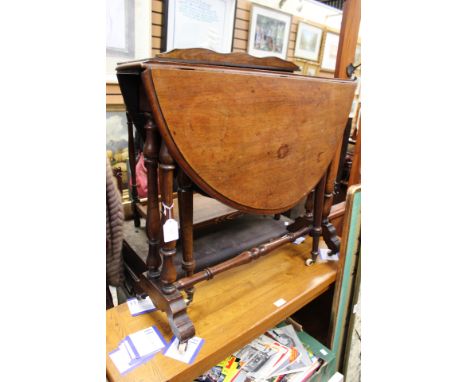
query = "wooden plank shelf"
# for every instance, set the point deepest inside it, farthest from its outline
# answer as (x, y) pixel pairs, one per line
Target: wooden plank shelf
(228, 311)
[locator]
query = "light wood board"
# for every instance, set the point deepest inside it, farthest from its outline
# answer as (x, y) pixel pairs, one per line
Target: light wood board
(228, 311)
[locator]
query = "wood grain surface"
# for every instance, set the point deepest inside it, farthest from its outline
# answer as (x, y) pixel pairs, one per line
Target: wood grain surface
(229, 312)
(206, 56)
(257, 141)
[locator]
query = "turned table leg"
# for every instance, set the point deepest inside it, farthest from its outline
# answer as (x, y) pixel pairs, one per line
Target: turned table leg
(329, 232)
(131, 159)
(168, 249)
(317, 217)
(185, 197)
(153, 221)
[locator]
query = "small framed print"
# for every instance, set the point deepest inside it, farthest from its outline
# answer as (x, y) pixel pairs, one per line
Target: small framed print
(205, 24)
(269, 32)
(308, 42)
(330, 51)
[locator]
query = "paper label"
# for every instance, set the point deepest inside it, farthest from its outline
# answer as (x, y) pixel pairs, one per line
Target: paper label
(137, 307)
(146, 342)
(323, 252)
(188, 356)
(280, 302)
(323, 351)
(299, 240)
(170, 230)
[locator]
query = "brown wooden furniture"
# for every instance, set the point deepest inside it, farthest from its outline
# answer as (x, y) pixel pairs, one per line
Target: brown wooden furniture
(231, 311)
(247, 132)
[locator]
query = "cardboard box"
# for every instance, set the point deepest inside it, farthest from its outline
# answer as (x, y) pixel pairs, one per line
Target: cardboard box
(328, 368)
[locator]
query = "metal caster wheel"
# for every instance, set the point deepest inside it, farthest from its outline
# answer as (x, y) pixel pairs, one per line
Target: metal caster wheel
(309, 262)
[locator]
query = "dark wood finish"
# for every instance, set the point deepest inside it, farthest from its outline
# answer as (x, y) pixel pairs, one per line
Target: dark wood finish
(153, 221)
(355, 173)
(209, 138)
(343, 152)
(185, 197)
(317, 218)
(201, 56)
(346, 49)
(306, 220)
(255, 140)
(168, 249)
(131, 158)
(336, 217)
(243, 258)
(172, 303)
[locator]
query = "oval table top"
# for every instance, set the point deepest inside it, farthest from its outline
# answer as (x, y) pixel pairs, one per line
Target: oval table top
(258, 141)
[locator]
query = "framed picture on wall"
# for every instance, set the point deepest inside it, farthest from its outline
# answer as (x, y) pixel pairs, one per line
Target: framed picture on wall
(128, 33)
(269, 32)
(330, 51)
(308, 42)
(117, 140)
(199, 24)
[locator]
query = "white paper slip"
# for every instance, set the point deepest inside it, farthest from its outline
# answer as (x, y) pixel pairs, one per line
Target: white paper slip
(323, 252)
(122, 360)
(170, 230)
(280, 302)
(146, 342)
(299, 240)
(137, 307)
(188, 356)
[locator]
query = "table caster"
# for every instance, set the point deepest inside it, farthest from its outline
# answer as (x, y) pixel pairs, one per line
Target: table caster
(309, 262)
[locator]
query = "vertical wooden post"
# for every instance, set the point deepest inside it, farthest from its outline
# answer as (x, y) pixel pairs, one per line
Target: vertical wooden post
(355, 173)
(168, 250)
(185, 197)
(317, 217)
(153, 221)
(131, 159)
(309, 205)
(346, 50)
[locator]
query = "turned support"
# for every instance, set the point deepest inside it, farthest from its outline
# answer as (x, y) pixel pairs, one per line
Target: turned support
(153, 221)
(131, 159)
(329, 232)
(309, 205)
(243, 258)
(185, 199)
(168, 249)
(317, 217)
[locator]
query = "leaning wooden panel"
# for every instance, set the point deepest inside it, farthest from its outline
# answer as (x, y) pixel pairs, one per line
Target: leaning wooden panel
(256, 140)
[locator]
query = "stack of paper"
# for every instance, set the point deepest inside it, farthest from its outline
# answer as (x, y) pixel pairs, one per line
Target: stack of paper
(137, 348)
(276, 356)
